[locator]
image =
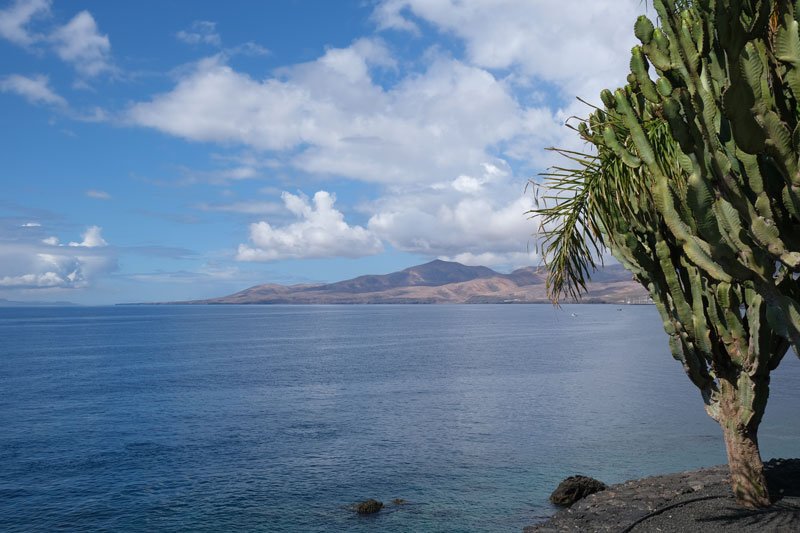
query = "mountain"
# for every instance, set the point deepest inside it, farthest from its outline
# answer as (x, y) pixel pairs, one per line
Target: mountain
(437, 282)
(433, 274)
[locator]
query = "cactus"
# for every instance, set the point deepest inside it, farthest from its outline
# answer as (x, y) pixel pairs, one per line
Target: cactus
(695, 188)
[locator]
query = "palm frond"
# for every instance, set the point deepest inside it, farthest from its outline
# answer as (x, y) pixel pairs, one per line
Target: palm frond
(587, 201)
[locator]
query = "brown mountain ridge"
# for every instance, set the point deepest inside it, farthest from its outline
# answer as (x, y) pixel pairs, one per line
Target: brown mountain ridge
(438, 282)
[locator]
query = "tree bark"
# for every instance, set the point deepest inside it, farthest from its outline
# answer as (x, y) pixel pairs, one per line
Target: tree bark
(747, 469)
(740, 417)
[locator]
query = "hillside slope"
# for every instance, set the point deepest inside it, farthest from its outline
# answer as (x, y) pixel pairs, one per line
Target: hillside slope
(437, 282)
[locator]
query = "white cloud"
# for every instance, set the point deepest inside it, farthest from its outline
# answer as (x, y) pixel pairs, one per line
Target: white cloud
(581, 47)
(449, 220)
(513, 260)
(467, 184)
(330, 116)
(432, 139)
(98, 195)
(389, 14)
(15, 19)
(245, 208)
(434, 225)
(247, 168)
(321, 231)
(47, 264)
(492, 174)
(37, 281)
(205, 32)
(200, 32)
(35, 89)
(445, 140)
(247, 49)
(92, 238)
(80, 43)
(31, 225)
(336, 120)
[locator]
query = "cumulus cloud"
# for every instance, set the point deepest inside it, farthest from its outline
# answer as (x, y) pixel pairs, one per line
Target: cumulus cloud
(321, 231)
(200, 32)
(581, 49)
(511, 260)
(330, 116)
(16, 17)
(37, 281)
(35, 89)
(92, 238)
(27, 264)
(334, 119)
(477, 219)
(430, 225)
(80, 43)
(433, 139)
(447, 141)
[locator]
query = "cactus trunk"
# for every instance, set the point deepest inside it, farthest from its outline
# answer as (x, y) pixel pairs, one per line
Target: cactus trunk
(741, 440)
(747, 470)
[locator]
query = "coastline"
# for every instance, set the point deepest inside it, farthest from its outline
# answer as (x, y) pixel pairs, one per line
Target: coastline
(687, 501)
(387, 302)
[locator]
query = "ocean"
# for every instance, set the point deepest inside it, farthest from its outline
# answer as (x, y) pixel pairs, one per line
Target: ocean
(278, 418)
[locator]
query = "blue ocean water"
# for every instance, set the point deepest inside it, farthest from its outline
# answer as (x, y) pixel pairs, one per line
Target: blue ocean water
(276, 418)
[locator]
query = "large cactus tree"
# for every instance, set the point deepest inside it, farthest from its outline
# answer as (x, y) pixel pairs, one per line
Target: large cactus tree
(694, 186)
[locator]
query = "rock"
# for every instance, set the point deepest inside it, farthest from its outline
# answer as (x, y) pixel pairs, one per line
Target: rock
(369, 506)
(575, 488)
(399, 501)
(668, 504)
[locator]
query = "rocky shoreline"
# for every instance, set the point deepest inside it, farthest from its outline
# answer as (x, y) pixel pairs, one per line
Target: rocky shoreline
(688, 501)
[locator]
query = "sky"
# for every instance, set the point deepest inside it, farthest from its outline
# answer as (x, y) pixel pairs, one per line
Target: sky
(171, 150)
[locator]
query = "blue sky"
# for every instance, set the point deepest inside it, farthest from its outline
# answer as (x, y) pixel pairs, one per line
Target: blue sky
(174, 150)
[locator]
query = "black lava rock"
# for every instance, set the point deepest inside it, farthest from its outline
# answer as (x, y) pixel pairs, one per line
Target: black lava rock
(369, 506)
(575, 488)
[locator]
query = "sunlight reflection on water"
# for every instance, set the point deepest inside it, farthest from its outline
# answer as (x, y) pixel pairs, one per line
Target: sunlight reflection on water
(277, 418)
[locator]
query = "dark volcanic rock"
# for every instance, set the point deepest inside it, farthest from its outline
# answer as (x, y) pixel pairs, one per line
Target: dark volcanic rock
(369, 506)
(700, 500)
(575, 488)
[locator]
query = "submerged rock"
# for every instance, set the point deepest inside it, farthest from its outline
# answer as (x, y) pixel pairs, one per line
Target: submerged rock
(575, 488)
(399, 501)
(369, 506)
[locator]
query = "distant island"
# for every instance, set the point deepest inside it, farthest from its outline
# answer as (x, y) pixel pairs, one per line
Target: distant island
(438, 282)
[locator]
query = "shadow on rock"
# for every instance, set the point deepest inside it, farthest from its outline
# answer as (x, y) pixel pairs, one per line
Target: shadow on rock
(779, 517)
(783, 478)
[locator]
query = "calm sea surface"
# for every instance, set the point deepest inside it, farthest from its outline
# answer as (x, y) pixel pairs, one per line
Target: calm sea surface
(277, 418)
